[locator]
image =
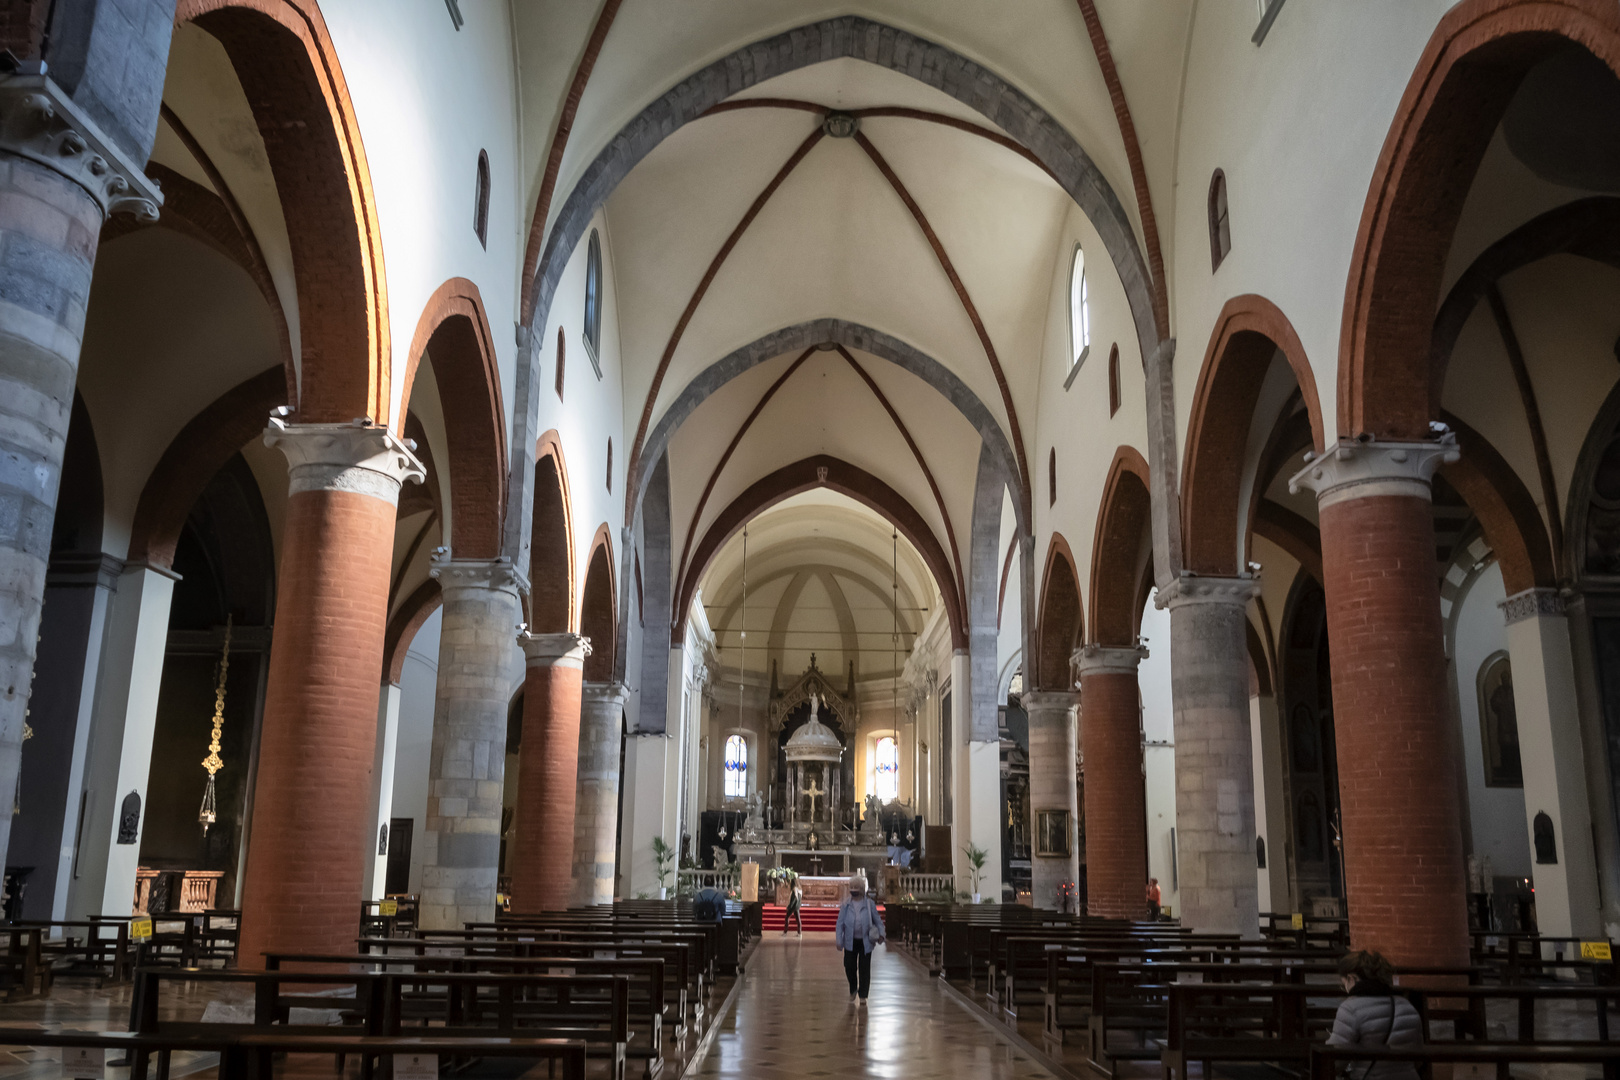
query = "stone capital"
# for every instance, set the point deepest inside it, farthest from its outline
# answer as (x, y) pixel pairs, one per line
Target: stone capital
(608, 697)
(495, 575)
(1107, 660)
(1198, 589)
(554, 650)
(1360, 470)
(359, 457)
(40, 122)
(1043, 701)
(1532, 604)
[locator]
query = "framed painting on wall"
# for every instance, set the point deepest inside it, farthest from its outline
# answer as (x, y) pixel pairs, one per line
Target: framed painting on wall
(1054, 834)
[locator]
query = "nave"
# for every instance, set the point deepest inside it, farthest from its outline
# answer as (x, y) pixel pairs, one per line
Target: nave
(793, 1018)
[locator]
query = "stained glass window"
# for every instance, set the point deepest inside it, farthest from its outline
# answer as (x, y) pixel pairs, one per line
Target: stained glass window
(736, 767)
(1079, 309)
(888, 769)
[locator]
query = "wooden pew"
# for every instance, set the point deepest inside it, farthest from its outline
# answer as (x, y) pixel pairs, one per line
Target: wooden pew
(100, 948)
(23, 973)
(1327, 1061)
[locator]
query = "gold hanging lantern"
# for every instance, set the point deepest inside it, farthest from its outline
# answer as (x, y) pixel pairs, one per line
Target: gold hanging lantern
(208, 814)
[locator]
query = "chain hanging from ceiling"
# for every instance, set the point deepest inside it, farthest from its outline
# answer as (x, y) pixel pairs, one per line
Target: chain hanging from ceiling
(213, 763)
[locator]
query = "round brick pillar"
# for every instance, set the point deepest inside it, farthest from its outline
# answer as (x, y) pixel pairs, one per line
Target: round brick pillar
(1116, 811)
(467, 766)
(1054, 753)
(540, 852)
(596, 802)
(312, 808)
(1209, 681)
(1403, 854)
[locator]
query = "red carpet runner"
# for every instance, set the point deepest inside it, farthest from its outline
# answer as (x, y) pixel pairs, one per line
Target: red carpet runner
(816, 919)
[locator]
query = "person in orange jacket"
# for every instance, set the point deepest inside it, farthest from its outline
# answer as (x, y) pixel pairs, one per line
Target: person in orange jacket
(1153, 898)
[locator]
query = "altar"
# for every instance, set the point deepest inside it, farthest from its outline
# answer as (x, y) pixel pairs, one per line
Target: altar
(824, 891)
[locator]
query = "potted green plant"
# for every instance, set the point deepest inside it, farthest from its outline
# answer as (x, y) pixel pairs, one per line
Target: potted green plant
(976, 857)
(781, 879)
(664, 855)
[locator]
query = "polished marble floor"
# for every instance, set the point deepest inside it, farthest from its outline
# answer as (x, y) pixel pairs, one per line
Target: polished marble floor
(793, 1019)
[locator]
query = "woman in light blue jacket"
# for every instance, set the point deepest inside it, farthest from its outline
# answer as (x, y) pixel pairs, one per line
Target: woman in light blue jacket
(859, 931)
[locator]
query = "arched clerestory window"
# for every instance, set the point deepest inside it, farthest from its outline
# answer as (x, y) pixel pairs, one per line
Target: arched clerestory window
(1113, 380)
(736, 767)
(1051, 477)
(1079, 309)
(593, 301)
(562, 361)
(1220, 224)
(481, 200)
(886, 769)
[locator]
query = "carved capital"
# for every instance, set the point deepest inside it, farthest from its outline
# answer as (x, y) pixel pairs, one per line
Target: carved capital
(1107, 660)
(363, 458)
(1197, 589)
(1048, 701)
(1360, 470)
(496, 575)
(604, 696)
(554, 650)
(40, 122)
(1532, 604)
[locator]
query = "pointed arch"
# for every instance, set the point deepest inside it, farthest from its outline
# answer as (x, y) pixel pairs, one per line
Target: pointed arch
(284, 58)
(454, 330)
(1507, 512)
(552, 566)
(1249, 332)
(1122, 551)
(200, 450)
(1062, 617)
(1468, 72)
(598, 607)
(408, 618)
(835, 474)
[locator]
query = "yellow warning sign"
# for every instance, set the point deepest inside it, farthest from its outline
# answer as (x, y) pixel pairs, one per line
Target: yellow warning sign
(1596, 950)
(140, 929)
(1299, 921)
(388, 908)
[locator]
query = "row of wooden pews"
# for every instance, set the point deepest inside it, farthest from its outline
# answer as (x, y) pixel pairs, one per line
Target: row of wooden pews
(33, 954)
(1101, 994)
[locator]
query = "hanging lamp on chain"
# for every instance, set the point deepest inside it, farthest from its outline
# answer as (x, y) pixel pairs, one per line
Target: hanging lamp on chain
(212, 763)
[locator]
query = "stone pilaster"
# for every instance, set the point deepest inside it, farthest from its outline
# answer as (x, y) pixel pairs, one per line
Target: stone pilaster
(1111, 730)
(540, 850)
(467, 766)
(1053, 763)
(596, 802)
(59, 178)
(1209, 682)
(1403, 855)
(312, 802)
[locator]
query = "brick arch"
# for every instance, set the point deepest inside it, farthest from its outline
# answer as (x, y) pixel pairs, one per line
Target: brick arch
(835, 474)
(455, 330)
(199, 451)
(598, 614)
(1057, 633)
(407, 619)
(285, 60)
(1453, 103)
(552, 566)
(1248, 333)
(1118, 574)
(1507, 512)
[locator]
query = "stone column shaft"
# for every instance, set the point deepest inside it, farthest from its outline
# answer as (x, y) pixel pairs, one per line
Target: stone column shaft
(312, 807)
(1053, 754)
(596, 813)
(540, 853)
(1209, 683)
(1116, 811)
(467, 768)
(1403, 854)
(60, 176)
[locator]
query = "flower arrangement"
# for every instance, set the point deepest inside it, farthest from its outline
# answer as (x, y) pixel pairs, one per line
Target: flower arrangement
(781, 875)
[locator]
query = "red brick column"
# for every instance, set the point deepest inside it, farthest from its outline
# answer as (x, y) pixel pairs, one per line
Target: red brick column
(1116, 813)
(540, 855)
(305, 865)
(1403, 854)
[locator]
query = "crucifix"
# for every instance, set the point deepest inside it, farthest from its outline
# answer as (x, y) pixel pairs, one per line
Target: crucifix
(813, 793)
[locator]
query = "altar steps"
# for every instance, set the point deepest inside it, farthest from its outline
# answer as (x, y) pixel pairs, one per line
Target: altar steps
(816, 919)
